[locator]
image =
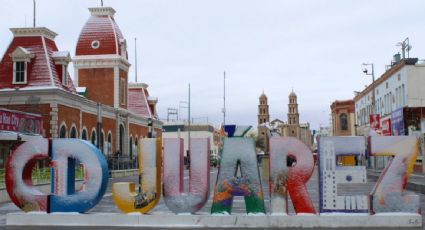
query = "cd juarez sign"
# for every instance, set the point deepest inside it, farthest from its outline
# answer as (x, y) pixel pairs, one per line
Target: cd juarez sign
(165, 158)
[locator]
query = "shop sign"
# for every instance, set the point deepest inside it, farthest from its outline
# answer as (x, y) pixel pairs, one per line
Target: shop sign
(374, 121)
(20, 122)
(397, 121)
(386, 126)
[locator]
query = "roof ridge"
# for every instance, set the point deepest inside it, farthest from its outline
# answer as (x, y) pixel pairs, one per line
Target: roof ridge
(48, 61)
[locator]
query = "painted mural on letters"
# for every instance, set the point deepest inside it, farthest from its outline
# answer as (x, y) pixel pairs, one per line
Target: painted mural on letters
(142, 198)
(238, 154)
(199, 184)
(331, 174)
(290, 178)
(388, 194)
(63, 153)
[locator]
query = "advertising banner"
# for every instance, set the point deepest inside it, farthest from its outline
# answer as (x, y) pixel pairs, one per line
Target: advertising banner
(397, 121)
(386, 126)
(374, 121)
(20, 122)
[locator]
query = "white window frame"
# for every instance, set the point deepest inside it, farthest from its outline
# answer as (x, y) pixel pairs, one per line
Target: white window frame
(20, 54)
(123, 92)
(15, 71)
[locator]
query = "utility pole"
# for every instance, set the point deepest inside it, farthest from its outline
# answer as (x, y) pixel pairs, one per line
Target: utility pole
(34, 6)
(224, 99)
(135, 56)
(188, 132)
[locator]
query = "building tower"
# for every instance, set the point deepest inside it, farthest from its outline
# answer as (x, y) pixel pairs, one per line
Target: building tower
(101, 62)
(263, 110)
(263, 120)
(293, 116)
(101, 69)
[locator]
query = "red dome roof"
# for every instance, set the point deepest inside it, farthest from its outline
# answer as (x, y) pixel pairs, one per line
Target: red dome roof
(101, 34)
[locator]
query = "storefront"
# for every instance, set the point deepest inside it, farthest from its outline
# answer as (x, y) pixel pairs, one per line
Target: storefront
(15, 127)
(415, 126)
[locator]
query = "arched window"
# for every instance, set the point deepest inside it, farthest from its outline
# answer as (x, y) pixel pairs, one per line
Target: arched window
(93, 137)
(84, 134)
(62, 132)
(73, 132)
(109, 143)
(344, 122)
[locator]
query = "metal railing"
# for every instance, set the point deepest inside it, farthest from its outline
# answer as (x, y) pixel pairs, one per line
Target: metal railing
(119, 162)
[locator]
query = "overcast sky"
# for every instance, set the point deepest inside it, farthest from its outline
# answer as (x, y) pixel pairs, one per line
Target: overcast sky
(314, 47)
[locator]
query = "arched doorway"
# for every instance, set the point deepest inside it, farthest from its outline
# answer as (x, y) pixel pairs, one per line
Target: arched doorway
(84, 135)
(130, 148)
(73, 132)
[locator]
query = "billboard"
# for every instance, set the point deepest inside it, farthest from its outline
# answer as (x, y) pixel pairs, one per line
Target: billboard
(20, 122)
(386, 126)
(397, 121)
(374, 121)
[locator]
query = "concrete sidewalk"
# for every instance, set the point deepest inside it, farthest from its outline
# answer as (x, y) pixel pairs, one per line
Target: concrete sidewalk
(416, 182)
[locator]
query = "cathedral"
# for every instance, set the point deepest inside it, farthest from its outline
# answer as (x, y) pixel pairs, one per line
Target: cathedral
(291, 128)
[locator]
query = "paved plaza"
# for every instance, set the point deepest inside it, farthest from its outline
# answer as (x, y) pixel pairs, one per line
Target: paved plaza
(107, 205)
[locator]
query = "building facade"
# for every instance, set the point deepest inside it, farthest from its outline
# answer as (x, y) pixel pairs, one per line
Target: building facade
(399, 102)
(34, 78)
(343, 118)
(291, 128)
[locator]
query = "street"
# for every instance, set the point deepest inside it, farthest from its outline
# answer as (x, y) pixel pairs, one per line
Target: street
(107, 205)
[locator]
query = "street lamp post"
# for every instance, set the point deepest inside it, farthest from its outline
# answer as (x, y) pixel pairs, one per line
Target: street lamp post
(99, 125)
(365, 71)
(373, 83)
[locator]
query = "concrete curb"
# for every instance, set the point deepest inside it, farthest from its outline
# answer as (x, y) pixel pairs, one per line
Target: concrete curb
(411, 185)
(335, 220)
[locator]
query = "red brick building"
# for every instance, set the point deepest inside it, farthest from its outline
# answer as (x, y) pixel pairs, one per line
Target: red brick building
(343, 123)
(34, 78)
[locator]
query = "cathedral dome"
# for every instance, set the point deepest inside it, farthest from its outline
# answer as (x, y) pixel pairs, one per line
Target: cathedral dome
(292, 94)
(263, 96)
(101, 34)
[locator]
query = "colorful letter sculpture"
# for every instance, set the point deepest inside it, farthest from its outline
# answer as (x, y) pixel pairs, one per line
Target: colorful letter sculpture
(199, 183)
(63, 153)
(148, 193)
(238, 153)
(330, 174)
(388, 193)
(18, 175)
(292, 180)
